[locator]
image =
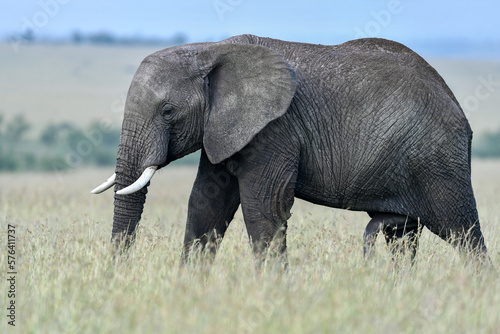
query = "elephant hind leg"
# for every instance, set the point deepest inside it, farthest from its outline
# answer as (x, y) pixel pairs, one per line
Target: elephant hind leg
(464, 233)
(394, 236)
(394, 227)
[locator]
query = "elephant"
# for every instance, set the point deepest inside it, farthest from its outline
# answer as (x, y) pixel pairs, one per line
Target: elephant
(367, 125)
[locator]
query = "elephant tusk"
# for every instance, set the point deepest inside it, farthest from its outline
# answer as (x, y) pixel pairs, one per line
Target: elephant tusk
(105, 186)
(140, 183)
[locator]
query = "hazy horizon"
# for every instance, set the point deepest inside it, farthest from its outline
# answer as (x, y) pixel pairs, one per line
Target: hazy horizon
(457, 27)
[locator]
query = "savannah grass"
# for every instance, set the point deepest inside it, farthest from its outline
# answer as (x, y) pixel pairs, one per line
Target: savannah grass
(68, 283)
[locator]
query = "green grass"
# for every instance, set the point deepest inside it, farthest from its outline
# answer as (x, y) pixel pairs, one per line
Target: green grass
(67, 282)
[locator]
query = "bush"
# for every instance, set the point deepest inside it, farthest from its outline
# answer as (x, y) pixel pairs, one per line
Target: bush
(487, 145)
(60, 146)
(96, 145)
(12, 134)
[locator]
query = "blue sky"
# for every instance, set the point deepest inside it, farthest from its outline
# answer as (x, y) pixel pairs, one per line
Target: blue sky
(326, 22)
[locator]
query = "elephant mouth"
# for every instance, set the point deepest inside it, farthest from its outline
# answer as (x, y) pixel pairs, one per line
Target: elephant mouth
(146, 176)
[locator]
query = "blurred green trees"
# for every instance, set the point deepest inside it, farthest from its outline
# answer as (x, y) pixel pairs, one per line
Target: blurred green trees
(58, 147)
(487, 145)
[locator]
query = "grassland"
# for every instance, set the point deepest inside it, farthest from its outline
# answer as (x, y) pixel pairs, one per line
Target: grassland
(66, 282)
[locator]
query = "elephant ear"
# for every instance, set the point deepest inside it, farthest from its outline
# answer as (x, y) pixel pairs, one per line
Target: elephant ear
(249, 86)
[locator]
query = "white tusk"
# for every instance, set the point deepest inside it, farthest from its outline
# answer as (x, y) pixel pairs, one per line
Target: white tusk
(105, 186)
(140, 183)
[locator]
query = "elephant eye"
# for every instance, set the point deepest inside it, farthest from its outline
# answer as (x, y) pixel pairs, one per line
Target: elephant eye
(167, 110)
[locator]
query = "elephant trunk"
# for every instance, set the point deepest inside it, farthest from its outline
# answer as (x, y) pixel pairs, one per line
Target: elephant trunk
(138, 158)
(127, 208)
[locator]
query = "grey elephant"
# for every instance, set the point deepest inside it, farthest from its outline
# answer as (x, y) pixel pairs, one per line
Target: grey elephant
(367, 125)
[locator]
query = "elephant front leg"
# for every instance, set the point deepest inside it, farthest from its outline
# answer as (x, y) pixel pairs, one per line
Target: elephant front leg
(212, 205)
(266, 205)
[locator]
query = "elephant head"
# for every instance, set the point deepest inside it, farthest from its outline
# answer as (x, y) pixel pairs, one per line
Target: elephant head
(215, 96)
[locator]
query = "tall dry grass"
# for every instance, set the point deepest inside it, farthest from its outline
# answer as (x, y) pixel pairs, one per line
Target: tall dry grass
(67, 282)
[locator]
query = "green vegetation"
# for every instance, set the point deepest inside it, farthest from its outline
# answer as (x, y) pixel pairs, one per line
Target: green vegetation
(487, 145)
(67, 282)
(59, 146)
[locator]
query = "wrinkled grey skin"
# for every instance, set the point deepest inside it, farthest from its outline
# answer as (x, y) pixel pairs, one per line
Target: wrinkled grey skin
(367, 125)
